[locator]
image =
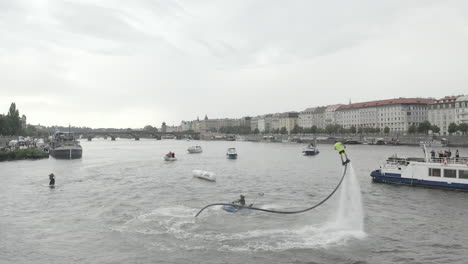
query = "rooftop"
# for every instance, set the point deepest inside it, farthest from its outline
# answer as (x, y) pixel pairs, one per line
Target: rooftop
(388, 102)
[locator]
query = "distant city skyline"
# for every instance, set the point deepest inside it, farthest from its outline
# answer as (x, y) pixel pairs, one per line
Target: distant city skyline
(126, 64)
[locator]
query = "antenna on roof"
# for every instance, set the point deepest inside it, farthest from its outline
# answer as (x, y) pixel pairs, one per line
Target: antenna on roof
(349, 100)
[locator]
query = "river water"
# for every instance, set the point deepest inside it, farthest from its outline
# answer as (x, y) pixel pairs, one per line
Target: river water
(122, 203)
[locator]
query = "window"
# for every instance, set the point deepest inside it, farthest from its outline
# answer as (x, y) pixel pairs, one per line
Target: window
(463, 174)
(434, 172)
(450, 173)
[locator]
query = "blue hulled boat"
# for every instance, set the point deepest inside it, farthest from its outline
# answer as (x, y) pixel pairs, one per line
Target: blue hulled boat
(231, 153)
(449, 173)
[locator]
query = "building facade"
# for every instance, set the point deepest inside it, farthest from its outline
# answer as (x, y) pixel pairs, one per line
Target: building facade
(396, 114)
(461, 110)
(442, 112)
(288, 120)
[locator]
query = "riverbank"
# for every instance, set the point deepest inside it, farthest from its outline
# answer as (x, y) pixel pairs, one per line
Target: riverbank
(386, 139)
(22, 154)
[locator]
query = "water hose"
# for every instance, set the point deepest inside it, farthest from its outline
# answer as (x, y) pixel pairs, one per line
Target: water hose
(283, 212)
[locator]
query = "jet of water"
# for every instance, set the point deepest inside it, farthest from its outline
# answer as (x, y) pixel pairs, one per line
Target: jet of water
(350, 214)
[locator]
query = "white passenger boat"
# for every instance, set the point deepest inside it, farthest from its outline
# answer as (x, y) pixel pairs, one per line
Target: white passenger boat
(449, 173)
(195, 149)
(205, 175)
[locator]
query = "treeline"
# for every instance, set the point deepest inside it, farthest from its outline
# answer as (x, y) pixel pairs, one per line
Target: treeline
(421, 128)
(10, 124)
(463, 127)
(332, 129)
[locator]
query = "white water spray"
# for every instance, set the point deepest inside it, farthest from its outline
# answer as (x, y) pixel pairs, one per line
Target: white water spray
(350, 212)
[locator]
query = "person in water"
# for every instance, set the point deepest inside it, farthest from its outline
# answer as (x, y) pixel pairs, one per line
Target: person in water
(341, 150)
(241, 200)
(52, 179)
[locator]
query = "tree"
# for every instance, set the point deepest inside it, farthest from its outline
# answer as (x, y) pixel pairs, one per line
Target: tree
(150, 128)
(435, 129)
(452, 128)
(15, 121)
(352, 129)
(297, 129)
(5, 127)
(463, 127)
(332, 128)
(377, 130)
(412, 129)
(424, 127)
(386, 130)
(313, 129)
(283, 130)
(256, 131)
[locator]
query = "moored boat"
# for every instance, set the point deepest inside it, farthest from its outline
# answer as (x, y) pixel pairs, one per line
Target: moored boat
(64, 146)
(231, 153)
(434, 143)
(380, 141)
(451, 173)
(195, 149)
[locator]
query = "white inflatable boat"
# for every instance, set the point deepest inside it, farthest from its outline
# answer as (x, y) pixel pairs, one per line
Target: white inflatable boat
(167, 158)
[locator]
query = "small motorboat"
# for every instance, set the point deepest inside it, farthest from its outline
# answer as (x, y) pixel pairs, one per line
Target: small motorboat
(195, 149)
(310, 150)
(205, 175)
(167, 158)
(231, 153)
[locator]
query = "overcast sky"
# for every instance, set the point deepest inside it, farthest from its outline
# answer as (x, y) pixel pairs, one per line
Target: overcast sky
(127, 63)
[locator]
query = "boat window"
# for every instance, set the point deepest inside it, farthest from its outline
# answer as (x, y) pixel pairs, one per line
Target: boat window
(450, 173)
(463, 174)
(434, 172)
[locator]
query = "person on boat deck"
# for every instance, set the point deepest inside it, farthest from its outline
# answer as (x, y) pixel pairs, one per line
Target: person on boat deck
(457, 154)
(433, 154)
(173, 154)
(169, 154)
(241, 200)
(341, 150)
(52, 179)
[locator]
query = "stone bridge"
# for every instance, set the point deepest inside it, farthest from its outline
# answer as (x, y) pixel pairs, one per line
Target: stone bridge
(140, 134)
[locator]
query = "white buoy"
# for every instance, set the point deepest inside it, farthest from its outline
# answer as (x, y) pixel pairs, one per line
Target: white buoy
(205, 175)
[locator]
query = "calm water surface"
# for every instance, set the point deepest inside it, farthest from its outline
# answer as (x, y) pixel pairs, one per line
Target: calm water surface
(122, 203)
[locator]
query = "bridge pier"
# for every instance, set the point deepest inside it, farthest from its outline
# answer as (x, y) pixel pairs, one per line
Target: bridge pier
(137, 138)
(90, 138)
(112, 138)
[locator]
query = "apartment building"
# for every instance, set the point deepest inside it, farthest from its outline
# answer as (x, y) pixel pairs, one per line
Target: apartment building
(396, 114)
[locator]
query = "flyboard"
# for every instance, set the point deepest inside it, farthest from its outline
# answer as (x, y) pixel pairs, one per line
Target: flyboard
(278, 211)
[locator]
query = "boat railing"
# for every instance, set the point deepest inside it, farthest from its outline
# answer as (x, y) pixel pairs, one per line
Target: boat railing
(397, 161)
(452, 160)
